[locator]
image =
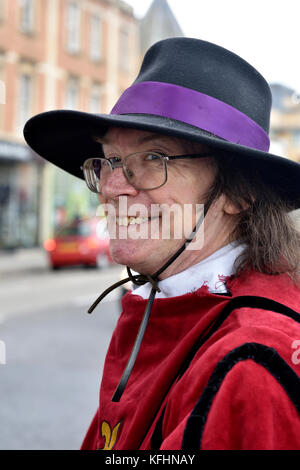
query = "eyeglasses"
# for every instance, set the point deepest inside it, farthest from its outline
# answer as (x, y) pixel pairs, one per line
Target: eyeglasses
(143, 170)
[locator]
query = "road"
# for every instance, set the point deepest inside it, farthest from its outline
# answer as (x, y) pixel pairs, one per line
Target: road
(55, 351)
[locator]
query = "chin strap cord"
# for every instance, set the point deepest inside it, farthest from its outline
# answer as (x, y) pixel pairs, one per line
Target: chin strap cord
(141, 279)
(135, 350)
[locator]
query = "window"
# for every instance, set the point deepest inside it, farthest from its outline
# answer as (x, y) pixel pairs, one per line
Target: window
(73, 27)
(95, 99)
(26, 85)
(124, 49)
(72, 95)
(95, 38)
(27, 16)
(2, 13)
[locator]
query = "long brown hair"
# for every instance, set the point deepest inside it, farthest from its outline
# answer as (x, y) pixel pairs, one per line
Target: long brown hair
(265, 224)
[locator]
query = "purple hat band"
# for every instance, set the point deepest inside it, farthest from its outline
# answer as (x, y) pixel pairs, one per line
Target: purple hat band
(194, 108)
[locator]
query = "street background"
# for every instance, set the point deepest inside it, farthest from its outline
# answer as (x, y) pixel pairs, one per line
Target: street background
(81, 55)
(49, 385)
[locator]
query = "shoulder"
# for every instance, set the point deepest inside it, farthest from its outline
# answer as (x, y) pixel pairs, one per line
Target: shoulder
(249, 403)
(279, 288)
(251, 365)
(263, 309)
(253, 379)
(241, 386)
(250, 400)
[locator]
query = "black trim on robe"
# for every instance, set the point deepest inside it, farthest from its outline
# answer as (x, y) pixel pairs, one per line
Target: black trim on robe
(259, 353)
(245, 301)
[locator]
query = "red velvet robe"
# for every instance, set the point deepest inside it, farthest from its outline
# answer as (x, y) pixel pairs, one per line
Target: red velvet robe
(240, 388)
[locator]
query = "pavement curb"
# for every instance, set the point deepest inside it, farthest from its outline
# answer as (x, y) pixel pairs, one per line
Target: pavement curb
(24, 259)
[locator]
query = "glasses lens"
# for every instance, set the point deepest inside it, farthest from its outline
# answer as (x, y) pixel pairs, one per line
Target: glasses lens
(97, 167)
(145, 170)
(94, 170)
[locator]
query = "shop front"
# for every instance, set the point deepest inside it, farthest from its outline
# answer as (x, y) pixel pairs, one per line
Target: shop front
(19, 196)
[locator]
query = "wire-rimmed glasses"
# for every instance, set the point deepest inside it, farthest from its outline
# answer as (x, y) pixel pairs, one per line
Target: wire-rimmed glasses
(143, 170)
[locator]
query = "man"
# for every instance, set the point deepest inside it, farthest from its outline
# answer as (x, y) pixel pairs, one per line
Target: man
(205, 353)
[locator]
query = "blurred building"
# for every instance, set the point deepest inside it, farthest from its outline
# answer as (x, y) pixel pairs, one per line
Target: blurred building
(285, 122)
(72, 54)
(158, 23)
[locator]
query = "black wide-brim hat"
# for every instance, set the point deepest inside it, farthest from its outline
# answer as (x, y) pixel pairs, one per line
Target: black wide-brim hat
(186, 88)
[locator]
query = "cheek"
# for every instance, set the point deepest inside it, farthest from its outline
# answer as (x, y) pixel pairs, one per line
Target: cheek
(200, 188)
(189, 183)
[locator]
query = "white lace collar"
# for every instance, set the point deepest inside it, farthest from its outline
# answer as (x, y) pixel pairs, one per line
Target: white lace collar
(211, 271)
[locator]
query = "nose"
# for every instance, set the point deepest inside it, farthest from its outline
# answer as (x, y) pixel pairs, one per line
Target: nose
(116, 184)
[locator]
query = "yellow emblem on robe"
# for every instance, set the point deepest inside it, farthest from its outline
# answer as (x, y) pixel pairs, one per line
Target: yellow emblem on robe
(109, 435)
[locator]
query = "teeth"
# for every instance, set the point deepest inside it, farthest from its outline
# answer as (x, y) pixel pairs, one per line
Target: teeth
(137, 220)
(131, 220)
(122, 221)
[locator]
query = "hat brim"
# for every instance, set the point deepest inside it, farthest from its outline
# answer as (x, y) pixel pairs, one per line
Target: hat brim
(67, 138)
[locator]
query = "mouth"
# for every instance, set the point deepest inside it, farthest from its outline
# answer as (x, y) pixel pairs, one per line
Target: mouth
(125, 221)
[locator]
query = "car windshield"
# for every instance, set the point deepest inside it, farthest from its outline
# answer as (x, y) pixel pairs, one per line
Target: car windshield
(79, 229)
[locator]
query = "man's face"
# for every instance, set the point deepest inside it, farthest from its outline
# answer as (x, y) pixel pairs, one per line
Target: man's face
(188, 182)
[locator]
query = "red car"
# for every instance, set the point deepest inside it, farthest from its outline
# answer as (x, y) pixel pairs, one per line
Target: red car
(82, 241)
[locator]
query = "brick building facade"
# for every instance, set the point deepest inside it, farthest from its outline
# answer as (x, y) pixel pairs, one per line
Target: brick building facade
(71, 54)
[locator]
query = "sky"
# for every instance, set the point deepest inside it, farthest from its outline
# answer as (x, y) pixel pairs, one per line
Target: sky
(266, 33)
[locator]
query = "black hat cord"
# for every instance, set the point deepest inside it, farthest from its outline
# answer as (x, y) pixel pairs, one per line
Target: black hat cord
(141, 279)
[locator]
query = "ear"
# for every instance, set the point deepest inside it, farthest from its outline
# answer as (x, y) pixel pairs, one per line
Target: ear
(232, 209)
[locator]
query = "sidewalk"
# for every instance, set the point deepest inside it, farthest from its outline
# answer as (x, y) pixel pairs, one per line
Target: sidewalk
(22, 260)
